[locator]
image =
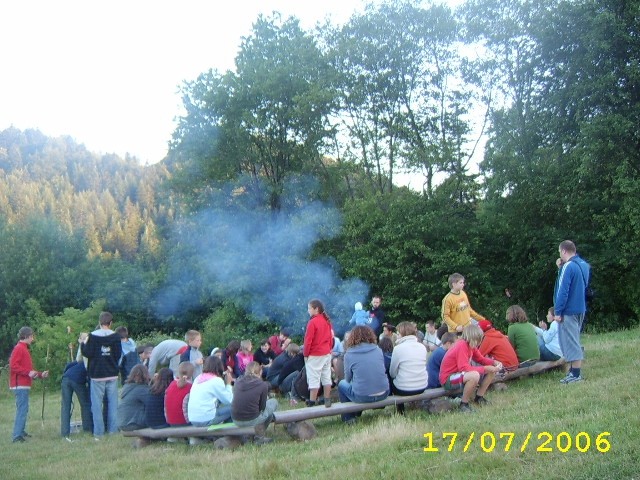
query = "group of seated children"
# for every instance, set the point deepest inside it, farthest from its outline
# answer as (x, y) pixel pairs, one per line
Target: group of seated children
(204, 399)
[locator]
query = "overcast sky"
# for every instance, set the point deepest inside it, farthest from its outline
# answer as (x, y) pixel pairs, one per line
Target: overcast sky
(107, 73)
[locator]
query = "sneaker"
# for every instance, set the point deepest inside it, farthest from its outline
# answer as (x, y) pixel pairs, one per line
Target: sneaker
(571, 379)
(68, 439)
(310, 403)
(25, 435)
(327, 402)
(481, 400)
(196, 441)
(351, 421)
(261, 440)
(567, 376)
(19, 440)
(97, 439)
(466, 408)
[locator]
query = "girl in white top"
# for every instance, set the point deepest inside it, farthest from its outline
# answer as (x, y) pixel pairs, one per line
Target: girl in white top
(408, 367)
(211, 395)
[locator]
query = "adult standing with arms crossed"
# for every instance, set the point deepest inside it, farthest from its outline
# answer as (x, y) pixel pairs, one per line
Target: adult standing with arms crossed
(570, 307)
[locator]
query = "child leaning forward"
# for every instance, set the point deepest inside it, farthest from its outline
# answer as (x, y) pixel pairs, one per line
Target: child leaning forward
(456, 370)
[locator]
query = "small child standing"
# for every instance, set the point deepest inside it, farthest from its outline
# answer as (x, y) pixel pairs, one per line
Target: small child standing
(175, 398)
(360, 316)
(456, 370)
(193, 353)
(251, 405)
(244, 355)
(435, 359)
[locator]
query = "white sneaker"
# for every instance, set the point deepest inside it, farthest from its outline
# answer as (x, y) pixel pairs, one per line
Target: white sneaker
(571, 379)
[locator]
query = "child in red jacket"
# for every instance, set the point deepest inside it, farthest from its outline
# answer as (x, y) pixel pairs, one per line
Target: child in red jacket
(456, 369)
(175, 398)
(21, 374)
(318, 343)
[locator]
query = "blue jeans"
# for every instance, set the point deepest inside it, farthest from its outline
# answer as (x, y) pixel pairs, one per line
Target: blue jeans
(346, 394)
(546, 355)
(82, 393)
(287, 384)
(99, 390)
(223, 414)
(22, 411)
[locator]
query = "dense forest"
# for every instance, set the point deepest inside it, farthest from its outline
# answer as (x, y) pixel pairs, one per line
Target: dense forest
(280, 182)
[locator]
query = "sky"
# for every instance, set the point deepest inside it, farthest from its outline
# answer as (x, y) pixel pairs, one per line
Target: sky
(108, 73)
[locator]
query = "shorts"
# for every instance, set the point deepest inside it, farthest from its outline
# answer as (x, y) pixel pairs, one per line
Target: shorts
(318, 371)
(455, 381)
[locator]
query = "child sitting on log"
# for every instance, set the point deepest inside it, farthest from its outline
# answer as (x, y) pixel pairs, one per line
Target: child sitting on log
(251, 405)
(457, 372)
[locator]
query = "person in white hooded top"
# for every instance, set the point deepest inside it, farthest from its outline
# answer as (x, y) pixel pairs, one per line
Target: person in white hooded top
(211, 395)
(408, 367)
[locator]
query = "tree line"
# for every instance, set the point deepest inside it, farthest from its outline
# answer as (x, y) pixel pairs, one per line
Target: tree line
(304, 141)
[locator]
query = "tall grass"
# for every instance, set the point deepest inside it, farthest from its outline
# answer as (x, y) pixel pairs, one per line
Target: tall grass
(382, 445)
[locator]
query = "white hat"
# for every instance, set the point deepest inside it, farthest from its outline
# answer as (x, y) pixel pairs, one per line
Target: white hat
(358, 306)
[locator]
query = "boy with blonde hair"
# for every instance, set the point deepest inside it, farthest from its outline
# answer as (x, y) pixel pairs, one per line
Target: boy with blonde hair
(192, 353)
(456, 370)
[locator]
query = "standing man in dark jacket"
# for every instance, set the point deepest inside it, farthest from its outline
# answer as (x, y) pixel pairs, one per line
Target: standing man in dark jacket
(74, 379)
(570, 307)
(103, 349)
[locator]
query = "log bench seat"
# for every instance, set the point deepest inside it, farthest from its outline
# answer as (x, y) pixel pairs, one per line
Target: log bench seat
(144, 436)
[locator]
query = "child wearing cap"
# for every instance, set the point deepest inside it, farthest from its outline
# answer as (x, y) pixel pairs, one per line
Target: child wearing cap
(496, 345)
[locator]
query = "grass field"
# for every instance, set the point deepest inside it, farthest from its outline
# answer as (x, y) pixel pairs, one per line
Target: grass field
(383, 445)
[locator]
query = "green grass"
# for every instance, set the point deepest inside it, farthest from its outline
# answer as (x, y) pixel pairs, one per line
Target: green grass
(382, 445)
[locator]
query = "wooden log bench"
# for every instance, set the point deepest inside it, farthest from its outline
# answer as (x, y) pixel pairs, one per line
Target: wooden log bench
(534, 369)
(145, 436)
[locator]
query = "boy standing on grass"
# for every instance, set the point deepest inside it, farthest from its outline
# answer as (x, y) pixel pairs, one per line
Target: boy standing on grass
(21, 375)
(456, 309)
(103, 349)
